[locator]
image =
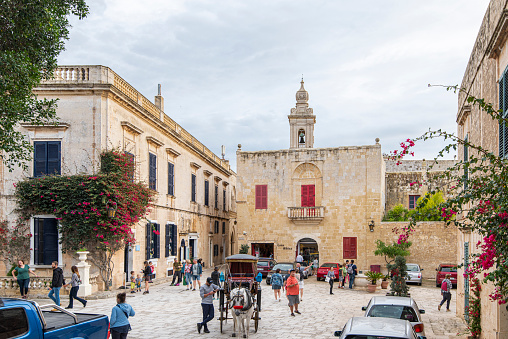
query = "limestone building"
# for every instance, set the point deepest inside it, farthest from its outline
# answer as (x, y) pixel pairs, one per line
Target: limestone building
(485, 77)
(194, 207)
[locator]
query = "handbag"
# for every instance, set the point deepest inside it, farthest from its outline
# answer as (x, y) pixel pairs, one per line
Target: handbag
(184, 281)
(327, 279)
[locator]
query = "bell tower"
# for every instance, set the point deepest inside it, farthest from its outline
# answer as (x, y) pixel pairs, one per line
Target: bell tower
(301, 121)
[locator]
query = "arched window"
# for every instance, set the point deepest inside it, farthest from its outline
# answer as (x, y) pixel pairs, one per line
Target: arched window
(301, 137)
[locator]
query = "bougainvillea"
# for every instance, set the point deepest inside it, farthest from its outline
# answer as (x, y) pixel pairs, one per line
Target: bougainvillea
(479, 200)
(81, 203)
(474, 309)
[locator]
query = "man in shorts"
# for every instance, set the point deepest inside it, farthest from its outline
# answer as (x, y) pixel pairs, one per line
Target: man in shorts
(299, 277)
(292, 292)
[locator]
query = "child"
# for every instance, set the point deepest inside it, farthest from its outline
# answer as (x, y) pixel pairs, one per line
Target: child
(133, 282)
(138, 283)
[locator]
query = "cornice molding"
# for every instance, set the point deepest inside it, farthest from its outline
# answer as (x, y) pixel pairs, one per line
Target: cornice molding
(154, 141)
(463, 114)
(207, 173)
(195, 165)
(60, 126)
(498, 37)
(131, 128)
(217, 179)
(172, 151)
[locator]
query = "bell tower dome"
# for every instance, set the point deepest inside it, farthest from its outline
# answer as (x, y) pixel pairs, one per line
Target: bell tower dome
(301, 121)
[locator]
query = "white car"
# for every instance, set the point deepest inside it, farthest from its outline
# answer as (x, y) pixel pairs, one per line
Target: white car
(414, 274)
(385, 328)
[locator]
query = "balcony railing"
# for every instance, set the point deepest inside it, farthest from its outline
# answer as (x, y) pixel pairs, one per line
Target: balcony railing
(306, 215)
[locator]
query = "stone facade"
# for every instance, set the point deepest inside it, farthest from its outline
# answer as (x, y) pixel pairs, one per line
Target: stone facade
(488, 61)
(98, 111)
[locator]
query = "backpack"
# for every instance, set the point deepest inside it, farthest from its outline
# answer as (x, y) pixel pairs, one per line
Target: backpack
(350, 269)
(444, 286)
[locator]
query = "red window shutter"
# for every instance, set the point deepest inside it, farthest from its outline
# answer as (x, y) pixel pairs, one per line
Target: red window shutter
(261, 197)
(308, 195)
(349, 247)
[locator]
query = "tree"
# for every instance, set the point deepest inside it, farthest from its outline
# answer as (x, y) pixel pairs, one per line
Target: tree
(244, 249)
(479, 199)
(81, 203)
(398, 271)
(393, 250)
(32, 35)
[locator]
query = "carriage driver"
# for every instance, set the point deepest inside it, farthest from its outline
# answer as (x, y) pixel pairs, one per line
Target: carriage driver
(206, 292)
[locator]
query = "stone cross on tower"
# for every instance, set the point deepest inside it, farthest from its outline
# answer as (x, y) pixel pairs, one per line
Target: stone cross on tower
(301, 121)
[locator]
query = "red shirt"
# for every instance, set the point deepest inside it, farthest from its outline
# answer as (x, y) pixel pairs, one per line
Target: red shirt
(293, 290)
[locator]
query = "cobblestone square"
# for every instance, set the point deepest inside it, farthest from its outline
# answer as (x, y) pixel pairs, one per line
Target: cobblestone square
(172, 312)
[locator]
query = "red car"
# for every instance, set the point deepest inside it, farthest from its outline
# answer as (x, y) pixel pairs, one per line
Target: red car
(323, 270)
(443, 270)
(265, 265)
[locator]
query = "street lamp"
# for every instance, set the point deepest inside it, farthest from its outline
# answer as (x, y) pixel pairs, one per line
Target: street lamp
(371, 225)
(111, 206)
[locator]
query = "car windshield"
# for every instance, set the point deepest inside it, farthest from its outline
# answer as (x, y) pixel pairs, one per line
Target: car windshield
(263, 263)
(329, 264)
(448, 269)
(393, 311)
(413, 268)
(354, 336)
(283, 267)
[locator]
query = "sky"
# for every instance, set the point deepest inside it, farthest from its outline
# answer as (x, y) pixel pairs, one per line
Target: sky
(230, 69)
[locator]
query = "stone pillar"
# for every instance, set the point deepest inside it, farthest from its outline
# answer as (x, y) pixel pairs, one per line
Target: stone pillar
(85, 288)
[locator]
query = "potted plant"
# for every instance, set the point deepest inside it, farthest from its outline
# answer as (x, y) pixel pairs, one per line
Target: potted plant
(385, 282)
(373, 278)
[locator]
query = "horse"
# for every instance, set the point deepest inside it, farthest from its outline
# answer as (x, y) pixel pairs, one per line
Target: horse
(242, 307)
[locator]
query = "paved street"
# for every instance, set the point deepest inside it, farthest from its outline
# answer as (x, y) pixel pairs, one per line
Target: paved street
(170, 311)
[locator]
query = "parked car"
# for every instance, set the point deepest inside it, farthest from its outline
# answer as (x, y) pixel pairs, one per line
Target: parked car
(285, 267)
(444, 269)
(265, 265)
(414, 274)
(373, 328)
(404, 308)
(25, 319)
(322, 271)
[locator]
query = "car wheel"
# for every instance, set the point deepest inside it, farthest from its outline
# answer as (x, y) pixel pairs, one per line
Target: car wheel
(437, 284)
(419, 284)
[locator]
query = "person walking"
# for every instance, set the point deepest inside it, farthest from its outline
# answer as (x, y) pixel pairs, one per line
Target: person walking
(292, 292)
(277, 282)
(75, 281)
(188, 274)
(331, 276)
(56, 283)
(343, 269)
(299, 276)
(352, 271)
(215, 275)
(341, 276)
(299, 258)
(206, 292)
(119, 323)
(152, 271)
(22, 273)
(346, 276)
(196, 271)
(147, 272)
(177, 272)
(446, 292)
(315, 265)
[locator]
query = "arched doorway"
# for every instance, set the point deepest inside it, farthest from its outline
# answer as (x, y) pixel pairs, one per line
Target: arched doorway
(308, 248)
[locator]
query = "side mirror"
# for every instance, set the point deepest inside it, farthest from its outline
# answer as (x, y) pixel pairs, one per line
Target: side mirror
(364, 308)
(422, 311)
(339, 333)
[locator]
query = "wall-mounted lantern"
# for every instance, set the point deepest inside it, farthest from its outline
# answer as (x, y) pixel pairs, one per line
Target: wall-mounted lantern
(111, 206)
(371, 225)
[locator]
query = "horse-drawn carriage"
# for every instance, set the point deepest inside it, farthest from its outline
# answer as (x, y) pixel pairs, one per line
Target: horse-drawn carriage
(241, 293)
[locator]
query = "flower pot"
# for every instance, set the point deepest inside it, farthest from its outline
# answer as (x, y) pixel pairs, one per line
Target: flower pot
(371, 288)
(384, 284)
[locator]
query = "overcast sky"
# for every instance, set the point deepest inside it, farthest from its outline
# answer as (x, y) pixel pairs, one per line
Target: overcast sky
(230, 69)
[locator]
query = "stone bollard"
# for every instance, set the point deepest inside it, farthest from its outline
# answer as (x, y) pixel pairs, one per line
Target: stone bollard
(85, 288)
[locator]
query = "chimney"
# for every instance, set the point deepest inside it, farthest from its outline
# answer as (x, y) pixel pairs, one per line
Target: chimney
(159, 102)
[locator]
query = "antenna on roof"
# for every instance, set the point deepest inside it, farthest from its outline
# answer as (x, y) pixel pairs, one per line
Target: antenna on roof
(159, 89)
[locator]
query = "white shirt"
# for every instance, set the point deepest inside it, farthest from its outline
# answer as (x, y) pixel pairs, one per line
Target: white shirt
(299, 258)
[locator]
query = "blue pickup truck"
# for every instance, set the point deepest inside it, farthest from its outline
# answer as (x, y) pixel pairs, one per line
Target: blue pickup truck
(26, 319)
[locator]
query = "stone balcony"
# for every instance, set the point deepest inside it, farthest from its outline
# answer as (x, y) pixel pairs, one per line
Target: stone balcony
(308, 216)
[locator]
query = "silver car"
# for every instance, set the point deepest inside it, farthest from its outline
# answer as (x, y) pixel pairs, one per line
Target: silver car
(404, 308)
(414, 274)
(373, 328)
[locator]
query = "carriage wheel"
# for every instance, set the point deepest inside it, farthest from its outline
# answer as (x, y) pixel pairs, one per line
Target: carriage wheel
(256, 320)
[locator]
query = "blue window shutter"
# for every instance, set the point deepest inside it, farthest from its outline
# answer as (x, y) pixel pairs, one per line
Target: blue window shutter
(207, 192)
(50, 236)
(38, 257)
(53, 162)
(193, 187)
(216, 196)
(167, 239)
(40, 158)
(174, 239)
(171, 179)
(148, 240)
(157, 251)
(152, 174)
(224, 200)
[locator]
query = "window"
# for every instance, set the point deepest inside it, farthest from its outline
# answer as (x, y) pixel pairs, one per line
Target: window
(466, 159)
(216, 227)
(223, 227)
(14, 322)
(503, 106)
(224, 200)
(215, 250)
(171, 179)
(47, 155)
(394, 312)
(412, 201)
(349, 247)
(308, 195)
(217, 197)
(193, 187)
(152, 241)
(45, 241)
(152, 172)
(261, 197)
(131, 157)
(171, 240)
(207, 193)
